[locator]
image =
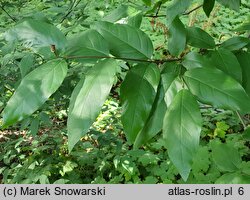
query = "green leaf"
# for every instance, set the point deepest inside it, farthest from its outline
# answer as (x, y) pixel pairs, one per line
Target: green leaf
(125, 41)
(168, 88)
(117, 14)
(34, 89)
(87, 99)
(208, 6)
(244, 60)
(89, 44)
(34, 126)
(244, 27)
(138, 92)
(195, 60)
(154, 122)
(233, 178)
(214, 87)
(227, 62)
(176, 8)
(177, 37)
(232, 4)
(25, 64)
(199, 38)
(181, 131)
(220, 152)
(235, 43)
(43, 179)
(37, 34)
(135, 20)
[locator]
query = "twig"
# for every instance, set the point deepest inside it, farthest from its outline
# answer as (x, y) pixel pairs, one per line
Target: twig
(12, 18)
(158, 9)
(121, 58)
(241, 119)
(153, 16)
(186, 13)
(194, 9)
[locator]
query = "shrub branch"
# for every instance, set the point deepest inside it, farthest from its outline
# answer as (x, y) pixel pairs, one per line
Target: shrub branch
(122, 58)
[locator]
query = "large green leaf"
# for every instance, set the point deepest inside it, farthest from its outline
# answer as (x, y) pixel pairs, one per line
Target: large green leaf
(89, 44)
(214, 87)
(176, 8)
(244, 60)
(87, 99)
(208, 6)
(196, 60)
(138, 92)
(235, 43)
(37, 34)
(227, 62)
(117, 14)
(155, 120)
(125, 41)
(34, 89)
(177, 37)
(232, 4)
(197, 37)
(222, 151)
(181, 131)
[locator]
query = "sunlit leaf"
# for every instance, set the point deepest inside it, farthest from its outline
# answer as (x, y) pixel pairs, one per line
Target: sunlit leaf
(181, 131)
(34, 89)
(87, 99)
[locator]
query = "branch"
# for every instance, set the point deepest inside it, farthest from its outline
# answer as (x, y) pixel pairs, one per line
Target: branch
(186, 13)
(121, 58)
(194, 9)
(12, 18)
(158, 9)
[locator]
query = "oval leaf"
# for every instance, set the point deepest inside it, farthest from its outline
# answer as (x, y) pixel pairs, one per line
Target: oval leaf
(37, 34)
(227, 62)
(235, 43)
(177, 37)
(199, 38)
(138, 92)
(89, 44)
(208, 6)
(154, 122)
(214, 87)
(181, 131)
(125, 41)
(87, 99)
(34, 90)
